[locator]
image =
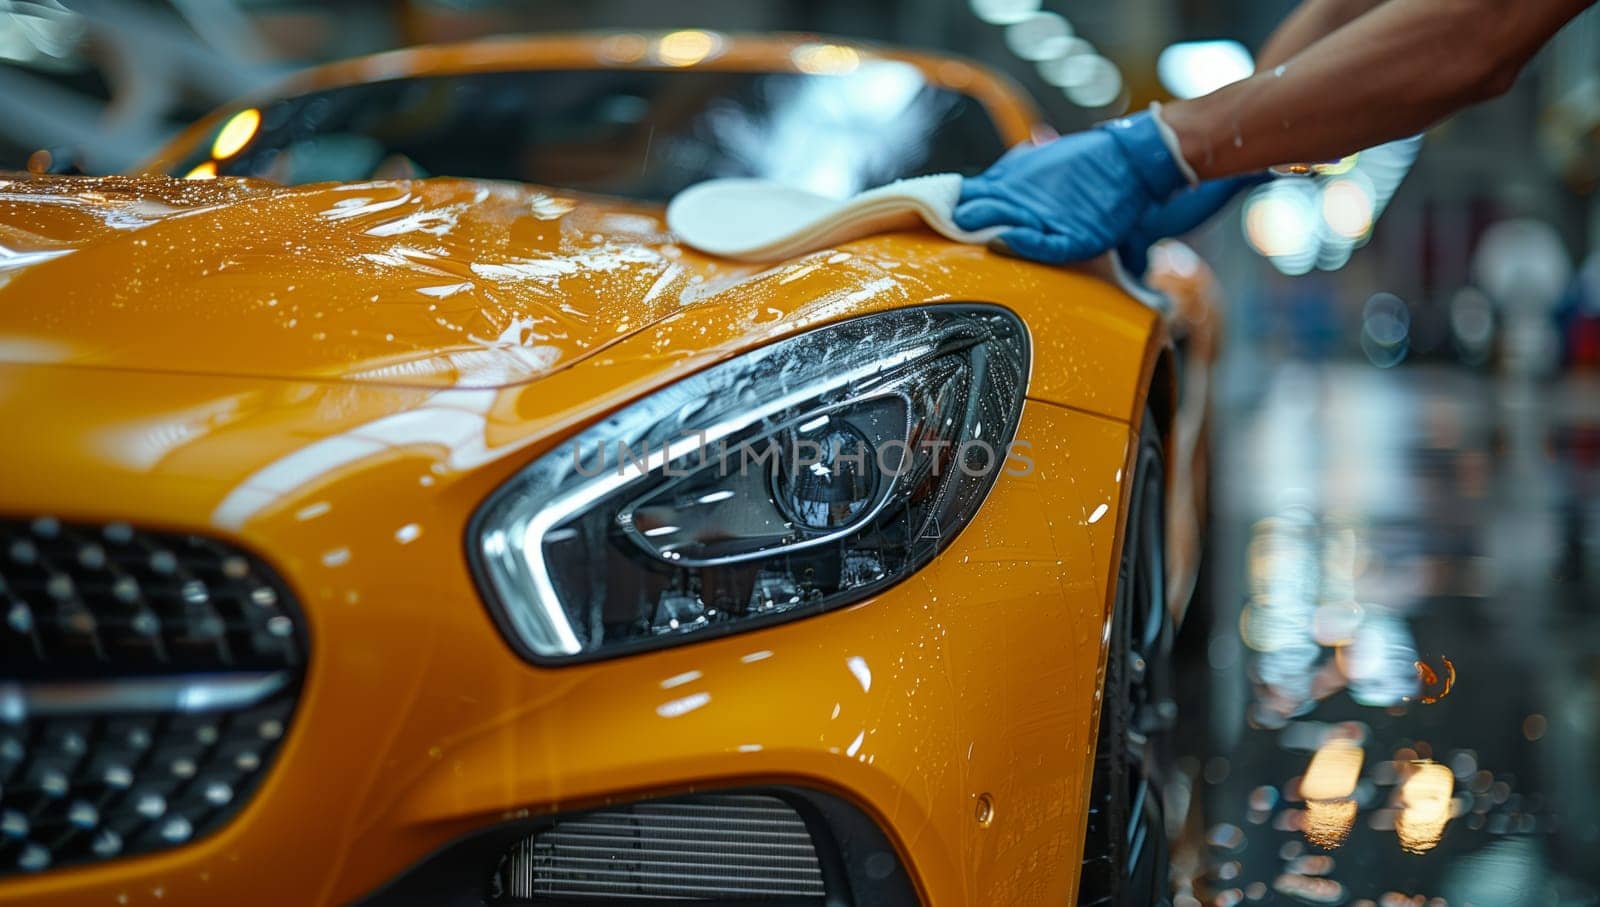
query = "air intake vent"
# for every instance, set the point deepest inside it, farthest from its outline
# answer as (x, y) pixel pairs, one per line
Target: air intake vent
(725, 847)
(146, 680)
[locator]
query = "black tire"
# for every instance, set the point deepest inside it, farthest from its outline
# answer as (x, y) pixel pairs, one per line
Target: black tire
(1125, 860)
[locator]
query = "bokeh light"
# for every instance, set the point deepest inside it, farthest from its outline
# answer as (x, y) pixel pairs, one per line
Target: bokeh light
(1099, 86)
(1347, 207)
(1193, 68)
(1004, 12)
(1385, 329)
(236, 133)
(1065, 70)
(1334, 770)
(825, 59)
(624, 48)
(1280, 222)
(1040, 36)
(1426, 799)
(687, 47)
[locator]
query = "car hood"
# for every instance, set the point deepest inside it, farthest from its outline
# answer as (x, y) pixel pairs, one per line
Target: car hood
(434, 283)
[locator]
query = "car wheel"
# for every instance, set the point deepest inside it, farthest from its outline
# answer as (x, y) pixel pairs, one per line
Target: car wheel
(1125, 849)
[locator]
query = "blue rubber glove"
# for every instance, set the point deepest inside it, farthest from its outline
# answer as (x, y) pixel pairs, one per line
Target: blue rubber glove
(1076, 197)
(1177, 216)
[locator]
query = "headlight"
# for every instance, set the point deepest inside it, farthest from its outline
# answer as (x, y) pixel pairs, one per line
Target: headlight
(797, 478)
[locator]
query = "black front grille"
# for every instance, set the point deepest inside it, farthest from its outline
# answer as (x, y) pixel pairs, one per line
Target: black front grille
(727, 847)
(146, 681)
(107, 601)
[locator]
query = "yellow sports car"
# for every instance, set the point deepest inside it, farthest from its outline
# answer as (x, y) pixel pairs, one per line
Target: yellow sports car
(394, 512)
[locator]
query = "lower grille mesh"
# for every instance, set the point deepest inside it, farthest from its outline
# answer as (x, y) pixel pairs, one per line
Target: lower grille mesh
(83, 788)
(714, 846)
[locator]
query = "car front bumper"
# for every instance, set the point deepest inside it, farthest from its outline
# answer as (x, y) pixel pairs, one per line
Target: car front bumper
(417, 724)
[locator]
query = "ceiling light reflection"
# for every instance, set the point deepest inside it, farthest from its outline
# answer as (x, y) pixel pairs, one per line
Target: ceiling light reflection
(1327, 786)
(1327, 823)
(1334, 770)
(1426, 800)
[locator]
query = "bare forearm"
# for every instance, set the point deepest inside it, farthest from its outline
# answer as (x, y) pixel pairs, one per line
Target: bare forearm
(1310, 22)
(1392, 72)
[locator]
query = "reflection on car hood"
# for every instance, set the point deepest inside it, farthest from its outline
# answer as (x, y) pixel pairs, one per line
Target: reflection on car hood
(438, 282)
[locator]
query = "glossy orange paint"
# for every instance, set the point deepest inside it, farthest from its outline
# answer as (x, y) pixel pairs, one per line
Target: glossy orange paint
(156, 381)
(450, 283)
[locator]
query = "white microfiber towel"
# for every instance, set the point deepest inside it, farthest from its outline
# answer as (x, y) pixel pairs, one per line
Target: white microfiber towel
(760, 220)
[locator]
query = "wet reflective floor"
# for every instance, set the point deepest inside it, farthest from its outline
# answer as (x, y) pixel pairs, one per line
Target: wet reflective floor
(1396, 681)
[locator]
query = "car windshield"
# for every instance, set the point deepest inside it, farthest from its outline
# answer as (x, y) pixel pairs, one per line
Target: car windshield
(642, 134)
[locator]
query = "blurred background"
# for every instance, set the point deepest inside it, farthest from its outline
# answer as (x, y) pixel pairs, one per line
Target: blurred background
(1398, 661)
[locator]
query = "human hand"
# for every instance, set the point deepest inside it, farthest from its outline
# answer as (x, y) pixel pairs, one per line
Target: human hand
(1178, 215)
(1077, 196)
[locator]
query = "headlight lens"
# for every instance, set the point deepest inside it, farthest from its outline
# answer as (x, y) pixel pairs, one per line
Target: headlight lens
(797, 478)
